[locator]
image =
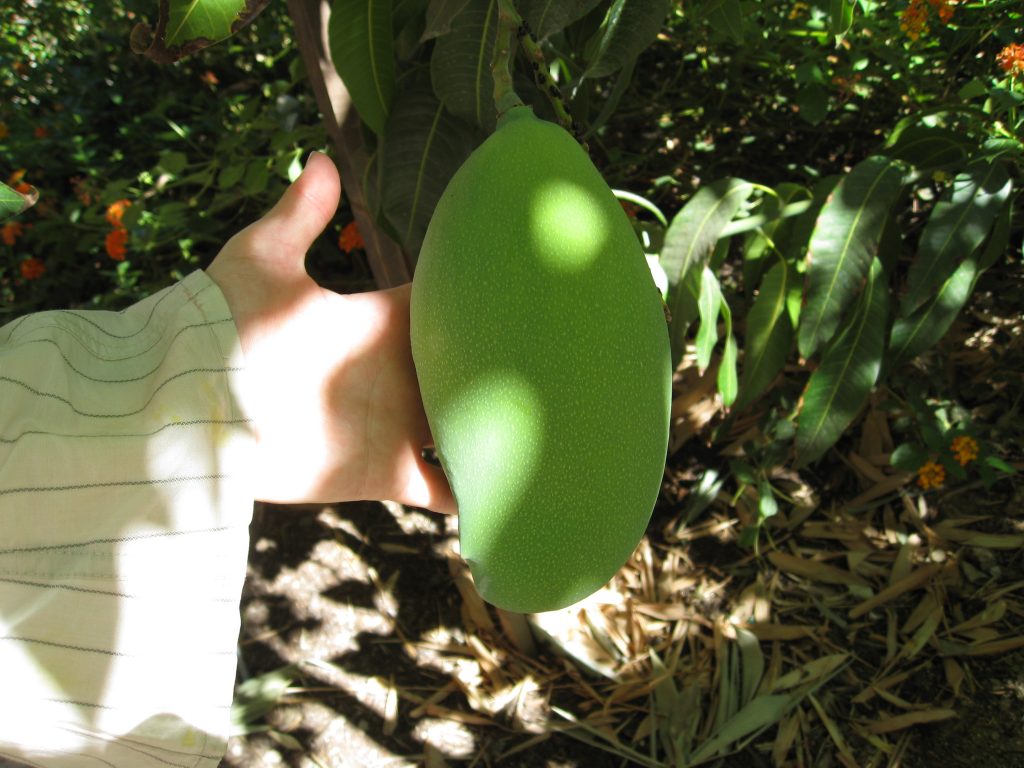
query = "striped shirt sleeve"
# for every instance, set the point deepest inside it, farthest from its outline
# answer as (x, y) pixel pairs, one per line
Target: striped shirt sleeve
(124, 513)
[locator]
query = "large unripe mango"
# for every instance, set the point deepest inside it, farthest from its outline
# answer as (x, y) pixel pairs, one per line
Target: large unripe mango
(542, 353)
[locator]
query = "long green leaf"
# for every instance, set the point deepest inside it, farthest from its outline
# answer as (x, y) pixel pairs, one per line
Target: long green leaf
(186, 26)
(913, 335)
(752, 663)
(844, 242)
(362, 50)
(439, 17)
(762, 712)
(727, 380)
(709, 305)
(423, 146)
(460, 66)
(840, 18)
(689, 242)
(957, 227)
(769, 334)
(926, 147)
(683, 302)
(546, 17)
(770, 235)
(628, 29)
(726, 18)
(696, 228)
(848, 370)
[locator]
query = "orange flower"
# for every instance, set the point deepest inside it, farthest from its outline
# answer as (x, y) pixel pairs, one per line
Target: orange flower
(209, 78)
(83, 190)
(117, 243)
(944, 8)
(350, 238)
(965, 449)
(15, 177)
(32, 268)
(931, 475)
(1011, 60)
(11, 231)
(914, 19)
(115, 212)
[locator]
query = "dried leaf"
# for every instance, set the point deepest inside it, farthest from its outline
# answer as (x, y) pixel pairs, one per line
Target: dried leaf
(833, 730)
(817, 571)
(914, 580)
(892, 723)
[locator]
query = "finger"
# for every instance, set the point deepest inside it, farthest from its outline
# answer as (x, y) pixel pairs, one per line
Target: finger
(427, 487)
(305, 208)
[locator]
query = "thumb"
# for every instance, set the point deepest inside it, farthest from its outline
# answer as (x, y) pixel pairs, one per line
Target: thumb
(306, 207)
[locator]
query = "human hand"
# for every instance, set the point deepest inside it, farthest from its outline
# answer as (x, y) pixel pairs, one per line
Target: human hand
(330, 382)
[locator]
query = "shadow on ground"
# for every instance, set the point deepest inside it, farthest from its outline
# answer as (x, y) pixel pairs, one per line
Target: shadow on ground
(356, 602)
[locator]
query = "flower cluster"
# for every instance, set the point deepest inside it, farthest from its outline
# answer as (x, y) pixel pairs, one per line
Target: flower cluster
(931, 475)
(350, 238)
(1011, 60)
(18, 183)
(32, 268)
(11, 231)
(117, 238)
(965, 449)
(914, 19)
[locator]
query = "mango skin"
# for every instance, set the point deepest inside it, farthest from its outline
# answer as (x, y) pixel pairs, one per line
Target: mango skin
(542, 352)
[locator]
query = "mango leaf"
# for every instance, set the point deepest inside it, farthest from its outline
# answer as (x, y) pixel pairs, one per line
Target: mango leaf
(546, 17)
(844, 242)
(840, 18)
(769, 334)
(727, 380)
(696, 228)
(913, 335)
(689, 242)
(362, 50)
(683, 304)
(925, 147)
(423, 146)
(958, 225)
(186, 26)
(726, 18)
(709, 305)
(628, 28)
(794, 241)
(13, 202)
(439, 17)
(460, 66)
(768, 237)
(848, 370)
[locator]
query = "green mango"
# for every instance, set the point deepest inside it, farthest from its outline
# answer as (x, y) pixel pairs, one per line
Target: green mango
(542, 353)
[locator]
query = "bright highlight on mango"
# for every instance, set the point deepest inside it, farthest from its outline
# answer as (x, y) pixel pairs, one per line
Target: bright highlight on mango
(543, 359)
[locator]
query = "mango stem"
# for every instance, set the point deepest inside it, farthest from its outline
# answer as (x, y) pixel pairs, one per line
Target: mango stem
(542, 77)
(511, 28)
(509, 22)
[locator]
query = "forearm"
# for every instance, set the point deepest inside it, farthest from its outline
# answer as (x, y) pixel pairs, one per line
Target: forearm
(124, 506)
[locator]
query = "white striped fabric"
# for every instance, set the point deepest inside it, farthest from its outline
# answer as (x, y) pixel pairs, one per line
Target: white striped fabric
(124, 513)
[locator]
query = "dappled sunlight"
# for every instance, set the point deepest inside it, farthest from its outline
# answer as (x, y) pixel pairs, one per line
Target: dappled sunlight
(569, 224)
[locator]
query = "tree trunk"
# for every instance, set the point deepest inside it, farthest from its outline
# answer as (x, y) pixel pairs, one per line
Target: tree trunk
(390, 265)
